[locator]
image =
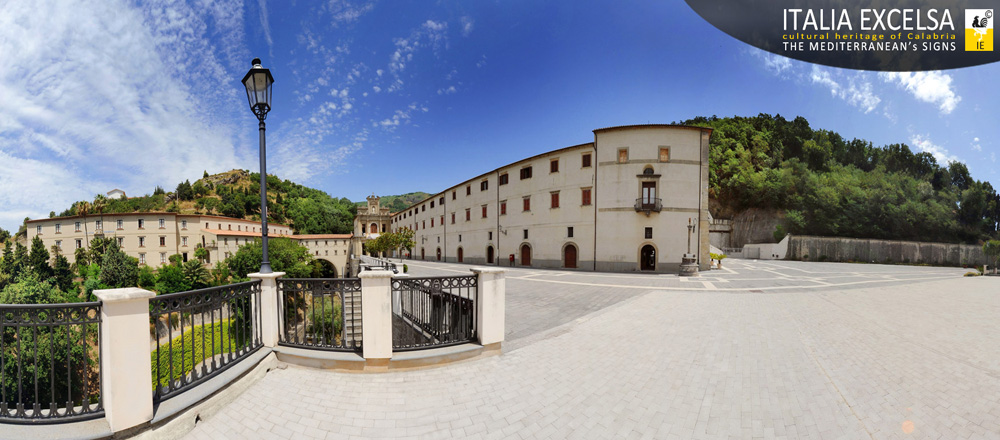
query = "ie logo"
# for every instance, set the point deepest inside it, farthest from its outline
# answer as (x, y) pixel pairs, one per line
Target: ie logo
(979, 30)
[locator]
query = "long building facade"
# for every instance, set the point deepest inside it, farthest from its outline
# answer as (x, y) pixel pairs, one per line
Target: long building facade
(622, 203)
(152, 237)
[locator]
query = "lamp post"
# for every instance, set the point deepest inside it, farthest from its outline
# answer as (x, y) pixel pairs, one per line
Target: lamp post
(258, 84)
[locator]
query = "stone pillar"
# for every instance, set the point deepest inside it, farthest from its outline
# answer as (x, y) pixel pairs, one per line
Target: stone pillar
(269, 310)
(490, 305)
(126, 370)
(376, 316)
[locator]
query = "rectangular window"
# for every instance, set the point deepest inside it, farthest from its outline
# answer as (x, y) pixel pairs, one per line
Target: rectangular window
(453, 218)
(649, 233)
(525, 173)
(142, 224)
(527, 203)
(503, 207)
(184, 224)
(59, 244)
(623, 155)
(569, 232)
(423, 208)
(38, 229)
(453, 195)
(432, 204)
(120, 224)
(441, 201)
(98, 225)
(142, 258)
(491, 235)
(79, 243)
(468, 214)
(525, 234)
(423, 224)
(664, 154)
(484, 211)
(163, 223)
(77, 226)
(58, 228)
(163, 257)
(432, 223)
(504, 178)
(554, 166)
(442, 220)
(648, 193)
(555, 199)
(163, 241)
(586, 161)
(459, 238)
(121, 242)
(585, 196)
(185, 257)
(184, 241)
(468, 190)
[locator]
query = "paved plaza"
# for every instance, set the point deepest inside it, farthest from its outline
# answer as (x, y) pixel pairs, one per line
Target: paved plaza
(756, 350)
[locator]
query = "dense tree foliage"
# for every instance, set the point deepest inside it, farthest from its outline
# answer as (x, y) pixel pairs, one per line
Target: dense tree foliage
(285, 255)
(828, 185)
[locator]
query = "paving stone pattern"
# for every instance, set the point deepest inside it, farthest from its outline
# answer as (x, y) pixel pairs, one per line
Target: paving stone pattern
(823, 351)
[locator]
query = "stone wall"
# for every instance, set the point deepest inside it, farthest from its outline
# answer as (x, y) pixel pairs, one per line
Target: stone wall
(884, 251)
(755, 226)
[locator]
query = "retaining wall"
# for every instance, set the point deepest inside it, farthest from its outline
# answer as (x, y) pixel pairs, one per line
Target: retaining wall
(804, 247)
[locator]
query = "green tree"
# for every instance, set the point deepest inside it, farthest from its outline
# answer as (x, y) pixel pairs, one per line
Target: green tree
(147, 277)
(118, 269)
(201, 254)
(62, 274)
(170, 279)
(38, 259)
(4, 235)
(196, 274)
(285, 255)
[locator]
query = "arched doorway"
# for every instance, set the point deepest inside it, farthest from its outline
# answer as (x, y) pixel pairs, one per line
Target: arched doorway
(439, 254)
(525, 255)
(569, 256)
(323, 268)
(489, 254)
(460, 255)
(647, 258)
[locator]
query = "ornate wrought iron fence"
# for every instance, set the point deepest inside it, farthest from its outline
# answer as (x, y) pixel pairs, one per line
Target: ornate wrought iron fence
(50, 362)
(320, 313)
(433, 311)
(198, 334)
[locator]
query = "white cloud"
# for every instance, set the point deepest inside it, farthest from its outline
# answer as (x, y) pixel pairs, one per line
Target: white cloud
(345, 12)
(851, 88)
(85, 105)
(435, 26)
(932, 87)
(447, 91)
(262, 7)
(467, 25)
(941, 154)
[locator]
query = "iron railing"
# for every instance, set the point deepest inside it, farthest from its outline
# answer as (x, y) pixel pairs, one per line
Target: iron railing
(433, 311)
(320, 313)
(200, 333)
(648, 204)
(50, 362)
(369, 263)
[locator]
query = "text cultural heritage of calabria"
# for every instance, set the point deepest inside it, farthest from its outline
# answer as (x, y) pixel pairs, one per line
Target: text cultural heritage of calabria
(868, 30)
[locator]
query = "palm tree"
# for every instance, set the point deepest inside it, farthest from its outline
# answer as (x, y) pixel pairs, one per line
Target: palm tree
(100, 204)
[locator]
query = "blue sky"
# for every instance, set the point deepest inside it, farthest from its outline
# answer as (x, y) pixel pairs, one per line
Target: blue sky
(389, 97)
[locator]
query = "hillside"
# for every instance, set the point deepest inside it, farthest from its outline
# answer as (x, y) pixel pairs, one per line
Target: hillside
(236, 194)
(828, 185)
(400, 202)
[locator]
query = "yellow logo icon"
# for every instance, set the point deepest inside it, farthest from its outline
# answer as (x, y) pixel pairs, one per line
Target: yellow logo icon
(979, 30)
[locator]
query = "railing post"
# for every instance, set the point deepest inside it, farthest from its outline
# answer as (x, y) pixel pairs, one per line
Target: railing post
(376, 316)
(490, 305)
(269, 310)
(126, 369)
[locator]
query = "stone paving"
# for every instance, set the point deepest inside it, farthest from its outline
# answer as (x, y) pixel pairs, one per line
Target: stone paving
(756, 350)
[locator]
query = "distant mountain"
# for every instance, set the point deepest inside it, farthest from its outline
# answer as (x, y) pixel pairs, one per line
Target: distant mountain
(400, 202)
(236, 194)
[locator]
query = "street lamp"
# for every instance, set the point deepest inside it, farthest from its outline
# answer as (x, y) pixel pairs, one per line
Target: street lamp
(258, 84)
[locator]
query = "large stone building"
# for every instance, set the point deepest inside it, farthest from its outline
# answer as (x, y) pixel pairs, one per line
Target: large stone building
(621, 203)
(152, 237)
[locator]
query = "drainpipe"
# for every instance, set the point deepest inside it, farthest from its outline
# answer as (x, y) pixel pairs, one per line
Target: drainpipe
(496, 249)
(593, 198)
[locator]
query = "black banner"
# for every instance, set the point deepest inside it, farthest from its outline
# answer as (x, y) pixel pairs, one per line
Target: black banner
(866, 35)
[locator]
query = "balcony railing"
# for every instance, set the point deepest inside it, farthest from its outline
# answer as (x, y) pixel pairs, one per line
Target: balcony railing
(648, 204)
(322, 314)
(433, 311)
(50, 362)
(368, 263)
(200, 333)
